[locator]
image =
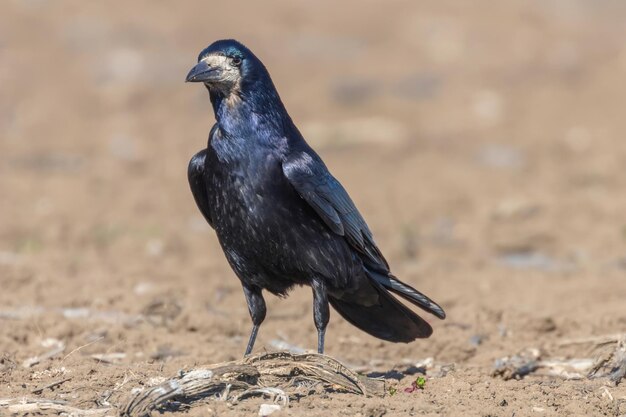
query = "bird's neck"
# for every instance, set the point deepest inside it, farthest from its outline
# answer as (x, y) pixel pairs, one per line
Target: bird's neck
(252, 110)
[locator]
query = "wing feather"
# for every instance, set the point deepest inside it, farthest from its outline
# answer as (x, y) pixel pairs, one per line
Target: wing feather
(195, 175)
(313, 182)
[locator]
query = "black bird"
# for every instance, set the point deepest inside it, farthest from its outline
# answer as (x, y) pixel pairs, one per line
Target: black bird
(281, 218)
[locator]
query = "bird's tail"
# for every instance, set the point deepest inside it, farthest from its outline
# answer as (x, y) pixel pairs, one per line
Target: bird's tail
(406, 291)
(388, 319)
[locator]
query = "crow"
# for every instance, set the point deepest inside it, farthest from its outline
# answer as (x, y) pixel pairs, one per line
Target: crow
(281, 218)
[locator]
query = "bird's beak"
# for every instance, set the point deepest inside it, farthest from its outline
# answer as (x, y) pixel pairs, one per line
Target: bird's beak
(202, 72)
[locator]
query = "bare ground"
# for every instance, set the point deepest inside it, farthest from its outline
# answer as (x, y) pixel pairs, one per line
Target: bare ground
(482, 142)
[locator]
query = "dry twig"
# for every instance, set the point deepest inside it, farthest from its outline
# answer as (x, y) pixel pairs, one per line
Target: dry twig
(58, 347)
(611, 362)
(43, 406)
(271, 374)
(51, 385)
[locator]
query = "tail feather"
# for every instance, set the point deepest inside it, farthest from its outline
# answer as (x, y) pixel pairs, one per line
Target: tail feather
(388, 319)
(407, 292)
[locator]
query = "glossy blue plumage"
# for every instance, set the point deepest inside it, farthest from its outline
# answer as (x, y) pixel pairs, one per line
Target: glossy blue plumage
(282, 219)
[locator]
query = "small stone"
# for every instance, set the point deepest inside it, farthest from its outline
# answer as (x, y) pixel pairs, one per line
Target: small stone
(155, 247)
(477, 340)
(267, 409)
(488, 107)
(501, 157)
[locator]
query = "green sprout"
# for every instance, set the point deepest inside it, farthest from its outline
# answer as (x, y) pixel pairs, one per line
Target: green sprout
(416, 385)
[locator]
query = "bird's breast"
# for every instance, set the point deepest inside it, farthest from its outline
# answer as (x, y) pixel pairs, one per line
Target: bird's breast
(249, 195)
(266, 229)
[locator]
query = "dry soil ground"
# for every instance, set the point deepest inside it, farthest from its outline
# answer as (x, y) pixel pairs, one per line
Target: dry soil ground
(483, 142)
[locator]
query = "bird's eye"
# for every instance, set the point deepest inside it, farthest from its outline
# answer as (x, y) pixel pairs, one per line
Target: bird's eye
(236, 61)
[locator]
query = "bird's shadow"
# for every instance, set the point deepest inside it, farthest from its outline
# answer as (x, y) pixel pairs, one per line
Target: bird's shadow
(398, 374)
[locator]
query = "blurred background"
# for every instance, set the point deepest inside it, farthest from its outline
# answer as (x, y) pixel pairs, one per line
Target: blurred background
(482, 141)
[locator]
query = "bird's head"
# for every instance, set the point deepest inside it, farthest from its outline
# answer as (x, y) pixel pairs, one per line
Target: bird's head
(224, 65)
(237, 80)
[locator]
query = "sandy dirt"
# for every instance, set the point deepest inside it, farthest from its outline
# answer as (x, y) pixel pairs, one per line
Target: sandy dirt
(482, 141)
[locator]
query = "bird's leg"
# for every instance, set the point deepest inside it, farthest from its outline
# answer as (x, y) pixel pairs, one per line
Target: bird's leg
(253, 333)
(256, 307)
(321, 312)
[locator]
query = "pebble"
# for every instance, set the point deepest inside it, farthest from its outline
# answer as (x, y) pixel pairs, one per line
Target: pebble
(267, 409)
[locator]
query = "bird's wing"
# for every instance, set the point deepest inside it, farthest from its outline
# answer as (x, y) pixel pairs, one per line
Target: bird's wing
(195, 175)
(309, 176)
